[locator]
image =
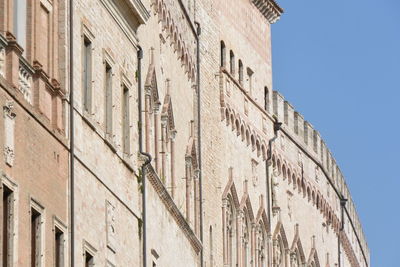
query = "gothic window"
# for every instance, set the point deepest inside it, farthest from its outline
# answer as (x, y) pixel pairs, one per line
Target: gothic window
(260, 250)
(223, 54)
(278, 252)
(266, 98)
(246, 239)
(168, 133)
(231, 62)
(250, 80)
(295, 260)
(230, 232)
(240, 72)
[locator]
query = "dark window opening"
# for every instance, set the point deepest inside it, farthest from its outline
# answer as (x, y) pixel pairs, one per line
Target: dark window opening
(223, 54)
(266, 98)
(232, 62)
(240, 72)
(89, 260)
(59, 247)
(35, 237)
(7, 219)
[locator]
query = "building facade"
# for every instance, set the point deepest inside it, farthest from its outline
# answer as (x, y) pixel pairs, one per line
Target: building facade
(148, 133)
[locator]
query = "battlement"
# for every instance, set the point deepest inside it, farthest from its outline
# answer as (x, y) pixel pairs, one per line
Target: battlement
(309, 139)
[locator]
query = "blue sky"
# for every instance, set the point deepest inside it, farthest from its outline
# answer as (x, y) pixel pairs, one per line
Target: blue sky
(338, 63)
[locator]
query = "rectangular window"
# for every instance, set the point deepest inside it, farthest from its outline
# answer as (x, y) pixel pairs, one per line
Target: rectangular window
(44, 37)
(59, 247)
(125, 120)
(7, 225)
(35, 238)
(87, 74)
(108, 99)
(89, 260)
(20, 22)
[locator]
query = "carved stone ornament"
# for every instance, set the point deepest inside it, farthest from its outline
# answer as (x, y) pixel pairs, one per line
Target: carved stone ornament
(111, 230)
(9, 125)
(254, 165)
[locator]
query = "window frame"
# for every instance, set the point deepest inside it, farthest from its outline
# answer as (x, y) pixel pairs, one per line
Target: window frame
(86, 79)
(38, 208)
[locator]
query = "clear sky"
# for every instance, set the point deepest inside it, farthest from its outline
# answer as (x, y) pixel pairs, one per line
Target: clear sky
(338, 63)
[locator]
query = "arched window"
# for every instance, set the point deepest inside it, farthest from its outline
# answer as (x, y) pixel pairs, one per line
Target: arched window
(223, 54)
(295, 260)
(231, 62)
(246, 254)
(260, 249)
(278, 252)
(266, 98)
(230, 232)
(240, 72)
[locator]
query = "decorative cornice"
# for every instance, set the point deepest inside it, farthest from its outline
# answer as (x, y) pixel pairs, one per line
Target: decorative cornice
(138, 7)
(270, 9)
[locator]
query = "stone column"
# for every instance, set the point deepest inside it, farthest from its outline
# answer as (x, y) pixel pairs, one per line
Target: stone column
(147, 118)
(156, 131)
(269, 250)
(196, 202)
(163, 150)
(253, 245)
(187, 176)
(172, 144)
(239, 236)
(224, 237)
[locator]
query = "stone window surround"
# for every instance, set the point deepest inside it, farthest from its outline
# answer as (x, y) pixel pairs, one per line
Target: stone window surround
(38, 207)
(62, 227)
(88, 248)
(13, 186)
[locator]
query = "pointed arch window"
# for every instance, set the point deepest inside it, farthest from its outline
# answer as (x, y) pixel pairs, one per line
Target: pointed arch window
(223, 54)
(266, 98)
(230, 232)
(246, 240)
(260, 246)
(232, 62)
(295, 260)
(240, 72)
(278, 252)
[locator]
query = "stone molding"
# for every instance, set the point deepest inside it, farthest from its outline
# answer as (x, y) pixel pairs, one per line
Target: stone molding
(175, 31)
(269, 9)
(170, 205)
